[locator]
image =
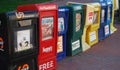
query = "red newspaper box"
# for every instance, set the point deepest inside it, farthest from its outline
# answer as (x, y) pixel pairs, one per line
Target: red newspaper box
(48, 19)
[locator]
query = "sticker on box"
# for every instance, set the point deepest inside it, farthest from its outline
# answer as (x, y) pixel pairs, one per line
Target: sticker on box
(60, 44)
(106, 29)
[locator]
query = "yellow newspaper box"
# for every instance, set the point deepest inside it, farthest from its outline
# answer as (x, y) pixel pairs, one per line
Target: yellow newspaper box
(115, 7)
(88, 21)
(92, 31)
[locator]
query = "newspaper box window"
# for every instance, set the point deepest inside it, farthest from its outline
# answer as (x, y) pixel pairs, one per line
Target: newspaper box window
(102, 15)
(95, 17)
(61, 24)
(47, 28)
(78, 21)
(23, 38)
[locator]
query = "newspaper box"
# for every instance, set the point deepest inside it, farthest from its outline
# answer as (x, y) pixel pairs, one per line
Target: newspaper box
(88, 10)
(18, 40)
(115, 7)
(105, 30)
(103, 21)
(63, 16)
(48, 33)
(92, 31)
(75, 29)
(18, 34)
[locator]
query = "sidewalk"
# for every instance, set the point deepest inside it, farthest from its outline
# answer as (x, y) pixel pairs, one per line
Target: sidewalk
(103, 56)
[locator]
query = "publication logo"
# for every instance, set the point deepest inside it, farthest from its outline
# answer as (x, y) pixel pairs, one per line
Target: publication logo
(47, 49)
(46, 65)
(48, 7)
(24, 67)
(19, 15)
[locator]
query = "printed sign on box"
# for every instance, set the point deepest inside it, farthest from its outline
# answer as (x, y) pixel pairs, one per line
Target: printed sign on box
(106, 29)
(92, 36)
(76, 45)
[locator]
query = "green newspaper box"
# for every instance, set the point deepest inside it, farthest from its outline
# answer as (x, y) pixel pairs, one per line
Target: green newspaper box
(75, 29)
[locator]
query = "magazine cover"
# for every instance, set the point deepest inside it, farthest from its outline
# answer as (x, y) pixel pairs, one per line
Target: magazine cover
(47, 28)
(60, 44)
(78, 21)
(95, 17)
(60, 24)
(23, 40)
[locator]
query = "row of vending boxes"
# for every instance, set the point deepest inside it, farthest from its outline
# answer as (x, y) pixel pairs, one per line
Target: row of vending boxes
(33, 36)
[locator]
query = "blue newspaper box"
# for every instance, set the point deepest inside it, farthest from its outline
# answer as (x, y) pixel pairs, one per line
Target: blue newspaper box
(63, 15)
(104, 29)
(109, 11)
